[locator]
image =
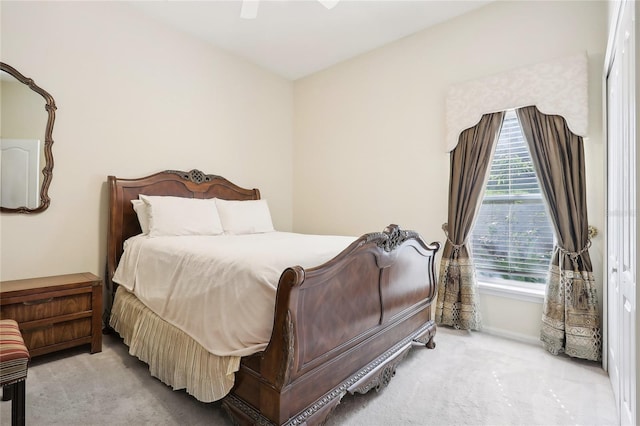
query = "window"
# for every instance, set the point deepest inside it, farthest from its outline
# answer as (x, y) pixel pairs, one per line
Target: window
(512, 239)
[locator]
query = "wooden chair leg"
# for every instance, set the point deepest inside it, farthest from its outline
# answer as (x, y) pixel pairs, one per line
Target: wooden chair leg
(7, 393)
(18, 404)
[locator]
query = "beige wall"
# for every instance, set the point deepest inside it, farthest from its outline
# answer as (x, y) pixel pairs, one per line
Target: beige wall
(134, 98)
(368, 133)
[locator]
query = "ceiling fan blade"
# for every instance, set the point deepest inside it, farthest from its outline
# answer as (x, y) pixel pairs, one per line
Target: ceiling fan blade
(329, 4)
(249, 9)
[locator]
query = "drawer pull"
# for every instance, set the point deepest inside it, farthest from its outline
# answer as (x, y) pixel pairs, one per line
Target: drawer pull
(38, 302)
(40, 328)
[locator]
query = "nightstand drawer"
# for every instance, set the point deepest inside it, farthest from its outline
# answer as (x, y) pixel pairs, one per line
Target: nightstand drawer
(47, 305)
(53, 334)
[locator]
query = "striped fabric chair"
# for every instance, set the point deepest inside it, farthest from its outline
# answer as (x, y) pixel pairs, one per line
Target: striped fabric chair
(14, 357)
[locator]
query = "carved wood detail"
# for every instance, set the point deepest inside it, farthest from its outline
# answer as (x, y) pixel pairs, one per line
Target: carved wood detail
(242, 413)
(391, 238)
(384, 376)
(195, 175)
(287, 352)
(427, 338)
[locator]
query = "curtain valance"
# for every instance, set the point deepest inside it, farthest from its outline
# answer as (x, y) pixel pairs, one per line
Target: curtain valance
(558, 87)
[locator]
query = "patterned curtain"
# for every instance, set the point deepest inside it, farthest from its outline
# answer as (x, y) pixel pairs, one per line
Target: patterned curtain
(570, 318)
(457, 303)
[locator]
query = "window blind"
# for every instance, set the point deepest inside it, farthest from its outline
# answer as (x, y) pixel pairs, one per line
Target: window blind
(512, 238)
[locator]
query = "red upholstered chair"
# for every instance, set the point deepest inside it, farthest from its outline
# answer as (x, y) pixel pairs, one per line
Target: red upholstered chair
(14, 358)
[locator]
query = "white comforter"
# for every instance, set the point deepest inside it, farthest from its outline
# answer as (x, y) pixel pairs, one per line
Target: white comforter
(219, 289)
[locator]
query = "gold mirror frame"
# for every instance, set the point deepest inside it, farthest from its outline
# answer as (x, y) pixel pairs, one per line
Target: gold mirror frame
(47, 171)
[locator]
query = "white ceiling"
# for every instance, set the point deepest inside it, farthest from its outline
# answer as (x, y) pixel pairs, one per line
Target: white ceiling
(296, 38)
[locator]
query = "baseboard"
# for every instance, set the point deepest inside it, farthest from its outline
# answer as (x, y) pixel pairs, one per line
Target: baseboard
(525, 338)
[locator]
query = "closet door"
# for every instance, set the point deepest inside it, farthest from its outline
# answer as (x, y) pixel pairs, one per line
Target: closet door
(621, 217)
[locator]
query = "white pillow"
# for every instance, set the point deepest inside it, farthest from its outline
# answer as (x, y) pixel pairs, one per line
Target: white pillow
(182, 216)
(244, 217)
(142, 211)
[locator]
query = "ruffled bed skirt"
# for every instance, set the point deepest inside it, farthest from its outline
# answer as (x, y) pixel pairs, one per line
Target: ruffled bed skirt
(172, 355)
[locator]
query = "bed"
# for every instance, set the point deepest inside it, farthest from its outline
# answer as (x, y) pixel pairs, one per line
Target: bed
(337, 327)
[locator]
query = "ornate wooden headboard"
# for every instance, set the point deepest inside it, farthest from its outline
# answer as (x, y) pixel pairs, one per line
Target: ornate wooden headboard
(123, 222)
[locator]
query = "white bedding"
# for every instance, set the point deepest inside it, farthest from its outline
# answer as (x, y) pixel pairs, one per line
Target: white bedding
(219, 289)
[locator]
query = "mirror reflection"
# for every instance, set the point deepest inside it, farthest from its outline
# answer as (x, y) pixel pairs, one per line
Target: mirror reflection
(26, 123)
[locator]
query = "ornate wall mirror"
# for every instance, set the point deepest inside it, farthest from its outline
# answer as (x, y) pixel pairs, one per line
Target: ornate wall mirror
(26, 127)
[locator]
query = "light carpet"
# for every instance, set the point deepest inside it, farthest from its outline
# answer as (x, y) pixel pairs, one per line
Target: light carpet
(468, 379)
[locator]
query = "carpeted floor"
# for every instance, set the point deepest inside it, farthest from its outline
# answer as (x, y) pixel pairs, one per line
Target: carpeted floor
(469, 379)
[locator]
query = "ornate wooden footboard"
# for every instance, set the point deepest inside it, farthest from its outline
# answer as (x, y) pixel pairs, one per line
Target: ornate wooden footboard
(340, 327)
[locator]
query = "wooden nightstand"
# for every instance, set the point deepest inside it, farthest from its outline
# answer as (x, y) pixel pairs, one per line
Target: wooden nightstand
(55, 313)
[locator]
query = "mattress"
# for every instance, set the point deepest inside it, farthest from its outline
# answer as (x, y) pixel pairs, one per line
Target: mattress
(219, 290)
